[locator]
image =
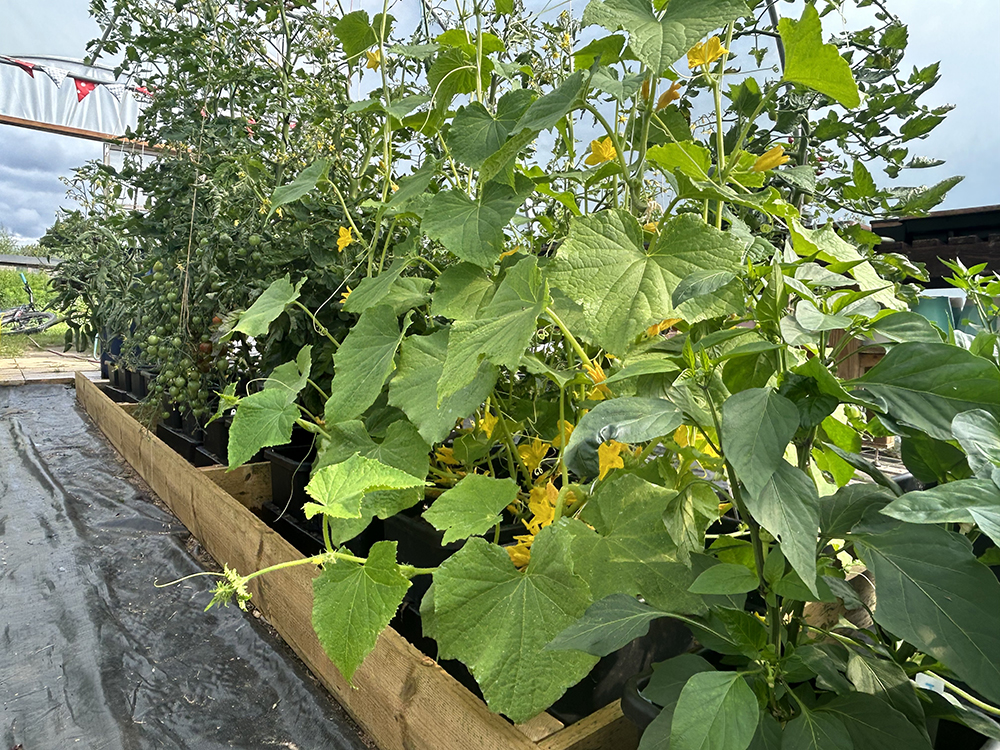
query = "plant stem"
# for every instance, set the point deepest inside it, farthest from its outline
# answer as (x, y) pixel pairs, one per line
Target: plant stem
(569, 337)
(990, 709)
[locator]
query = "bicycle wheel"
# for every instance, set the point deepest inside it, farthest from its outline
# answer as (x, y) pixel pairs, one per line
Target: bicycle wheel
(29, 322)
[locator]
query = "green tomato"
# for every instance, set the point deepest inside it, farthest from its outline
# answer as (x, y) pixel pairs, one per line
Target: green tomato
(254, 240)
(171, 296)
(174, 391)
(158, 266)
(152, 340)
(177, 342)
(161, 330)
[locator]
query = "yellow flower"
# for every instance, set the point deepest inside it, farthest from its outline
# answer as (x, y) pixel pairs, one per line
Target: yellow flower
(344, 296)
(344, 239)
(609, 457)
(487, 423)
(533, 454)
(565, 431)
(542, 504)
(597, 377)
(508, 253)
(374, 59)
(446, 456)
(520, 553)
(651, 226)
(705, 53)
(771, 159)
(670, 95)
(657, 328)
(600, 152)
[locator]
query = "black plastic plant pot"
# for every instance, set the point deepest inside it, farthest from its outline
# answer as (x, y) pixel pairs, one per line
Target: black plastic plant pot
(203, 457)
(174, 421)
(636, 708)
(192, 427)
(178, 441)
(217, 438)
(128, 380)
(117, 395)
(290, 467)
(306, 535)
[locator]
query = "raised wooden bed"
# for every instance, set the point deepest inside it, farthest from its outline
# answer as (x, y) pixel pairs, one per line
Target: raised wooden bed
(401, 697)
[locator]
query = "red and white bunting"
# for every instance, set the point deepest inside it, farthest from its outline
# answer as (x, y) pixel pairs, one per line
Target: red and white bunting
(58, 75)
(83, 88)
(27, 67)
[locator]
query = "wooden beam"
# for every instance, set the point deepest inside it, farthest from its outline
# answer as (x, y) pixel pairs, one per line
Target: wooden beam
(401, 697)
(48, 127)
(604, 729)
(250, 484)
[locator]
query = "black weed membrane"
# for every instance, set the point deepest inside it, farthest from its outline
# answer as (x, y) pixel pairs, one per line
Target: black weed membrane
(92, 655)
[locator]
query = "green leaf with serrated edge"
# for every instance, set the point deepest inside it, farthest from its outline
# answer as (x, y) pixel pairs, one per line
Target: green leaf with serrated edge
(827, 245)
(626, 550)
(814, 64)
(725, 578)
(788, 507)
(501, 333)
(373, 289)
(690, 157)
(338, 489)
(268, 306)
(472, 229)
(363, 362)
(873, 725)
(608, 625)
(978, 433)
(643, 367)
(659, 40)
(353, 603)
(715, 711)
(607, 48)
(414, 387)
(461, 291)
(413, 185)
(757, 425)
(497, 620)
(625, 288)
(663, 689)
(303, 184)
(844, 509)
(927, 385)
(227, 401)
(816, 731)
(965, 501)
(291, 377)
(627, 420)
(355, 33)
(886, 680)
(471, 507)
(262, 419)
(906, 326)
(933, 593)
(407, 293)
(475, 135)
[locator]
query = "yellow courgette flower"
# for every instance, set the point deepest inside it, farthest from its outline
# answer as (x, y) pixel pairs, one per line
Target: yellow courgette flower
(771, 159)
(344, 239)
(657, 328)
(565, 432)
(651, 226)
(374, 59)
(445, 455)
(597, 377)
(670, 95)
(488, 423)
(600, 151)
(533, 453)
(706, 53)
(345, 295)
(520, 553)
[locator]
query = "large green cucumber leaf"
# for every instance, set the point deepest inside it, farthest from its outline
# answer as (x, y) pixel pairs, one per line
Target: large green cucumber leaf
(965, 501)
(262, 419)
(715, 711)
(497, 621)
(471, 507)
(814, 64)
(303, 184)
(627, 420)
(373, 290)
(660, 39)
(500, 334)
(873, 724)
(624, 288)
(933, 593)
(927, 385)
(622, 546)
(414, 387)
(788, 507)
(757, 425)
(267, 307)
(475, 135)
(353, 603)
(339, 488)
(363, 362)
(291, 377)
(473, 229)
(461, 291)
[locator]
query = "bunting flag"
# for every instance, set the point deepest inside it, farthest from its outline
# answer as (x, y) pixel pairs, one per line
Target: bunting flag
(143, 91)
(115, 89)
(83, 88)
(58, 75)
(27, 67)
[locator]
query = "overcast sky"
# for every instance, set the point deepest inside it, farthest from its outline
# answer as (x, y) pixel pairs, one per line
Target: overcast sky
(962, 35)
